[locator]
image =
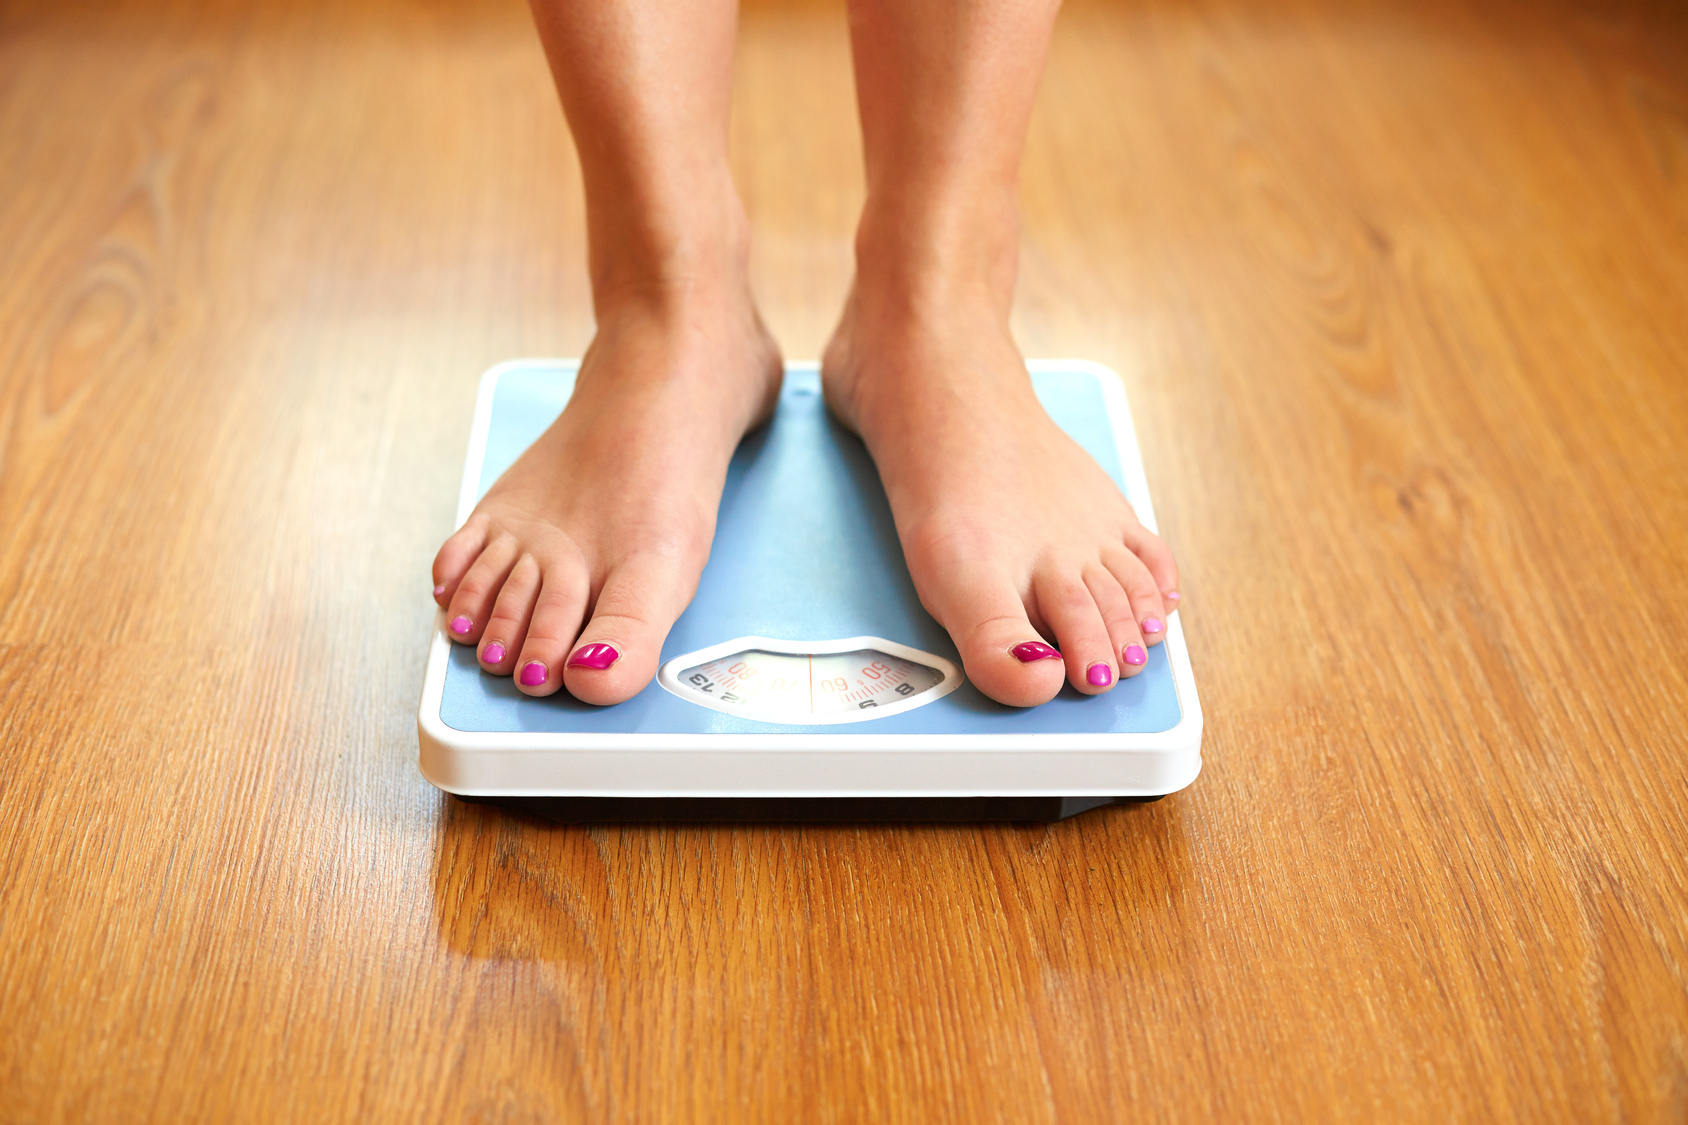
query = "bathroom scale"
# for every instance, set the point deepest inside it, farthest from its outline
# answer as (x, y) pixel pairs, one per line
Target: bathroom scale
(805, 681)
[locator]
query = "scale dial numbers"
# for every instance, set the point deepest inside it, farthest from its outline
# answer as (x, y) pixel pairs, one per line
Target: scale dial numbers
(810, 686)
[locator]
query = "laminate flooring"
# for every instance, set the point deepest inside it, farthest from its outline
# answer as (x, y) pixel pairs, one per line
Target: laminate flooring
(1399, 291)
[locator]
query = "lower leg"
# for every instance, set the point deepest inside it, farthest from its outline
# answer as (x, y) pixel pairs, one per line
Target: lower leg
(1013, 534)
(645, 88)
(576, 563)
(945, 93)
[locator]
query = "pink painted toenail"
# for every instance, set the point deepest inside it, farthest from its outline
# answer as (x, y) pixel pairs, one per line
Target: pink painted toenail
(533, 674)
(1173, 596)
(438, 590)
(1099, 674)
(1152, 625)
(461, 625)
(1027, 651)
(597, 655)
(1134, 654)
(494, 653)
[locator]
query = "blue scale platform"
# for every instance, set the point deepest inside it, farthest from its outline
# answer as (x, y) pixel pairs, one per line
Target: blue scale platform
(805, 549)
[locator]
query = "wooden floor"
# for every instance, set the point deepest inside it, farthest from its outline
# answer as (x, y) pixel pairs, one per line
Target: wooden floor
(1400, 293)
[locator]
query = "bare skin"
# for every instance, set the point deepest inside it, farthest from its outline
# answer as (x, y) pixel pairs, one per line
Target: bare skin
(1012, 533)
(571, 570)
(575, 565)
(598, 533)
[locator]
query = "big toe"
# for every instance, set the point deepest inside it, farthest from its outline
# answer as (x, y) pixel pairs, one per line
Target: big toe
(616, 654)
(1003, 655)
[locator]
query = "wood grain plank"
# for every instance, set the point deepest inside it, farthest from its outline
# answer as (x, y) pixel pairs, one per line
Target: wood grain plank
(1400, 295)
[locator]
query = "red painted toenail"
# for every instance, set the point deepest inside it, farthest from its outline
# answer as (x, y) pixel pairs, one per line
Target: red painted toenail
(1134, 654)
(1152, 625)
(494, 653)
(1099, 674)
(461, 625)
(1027, 651)
(438, 590)
(597, 655)
(533, 674)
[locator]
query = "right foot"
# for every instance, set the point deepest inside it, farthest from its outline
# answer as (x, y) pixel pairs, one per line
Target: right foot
(573, 567)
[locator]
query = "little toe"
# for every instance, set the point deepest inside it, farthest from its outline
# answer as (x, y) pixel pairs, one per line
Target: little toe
(557, 612)
(506, 627)
(616, 654)
(455, 557)
(1151, 550)
(471, 603)
(1124, 635)
(1067, 606)
(1142, 588)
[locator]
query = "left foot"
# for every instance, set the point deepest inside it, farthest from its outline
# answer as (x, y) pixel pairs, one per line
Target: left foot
(1015, 537)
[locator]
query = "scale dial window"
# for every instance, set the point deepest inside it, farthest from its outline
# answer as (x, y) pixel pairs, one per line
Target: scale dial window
(815, 683)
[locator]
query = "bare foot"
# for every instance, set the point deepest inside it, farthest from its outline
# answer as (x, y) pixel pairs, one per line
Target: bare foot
(1015, 537)
(574, 566)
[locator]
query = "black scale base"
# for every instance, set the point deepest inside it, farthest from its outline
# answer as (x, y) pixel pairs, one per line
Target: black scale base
(802, 810)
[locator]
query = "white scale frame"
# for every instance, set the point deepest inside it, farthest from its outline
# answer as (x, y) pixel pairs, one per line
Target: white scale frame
(818, 763)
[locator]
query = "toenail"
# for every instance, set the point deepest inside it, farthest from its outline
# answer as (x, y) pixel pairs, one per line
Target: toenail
(1173, 596)
(533, 674)
(1027, 651)
(461, 625)
(494, 653)
(1099, 674)
(1134, 654)
(596, 655)
(1152, 625)
(438, 590)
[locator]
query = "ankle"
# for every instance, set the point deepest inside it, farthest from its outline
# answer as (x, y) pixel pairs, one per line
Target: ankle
(696, 326)
(928, 254)
(661, 252)
(899, 359)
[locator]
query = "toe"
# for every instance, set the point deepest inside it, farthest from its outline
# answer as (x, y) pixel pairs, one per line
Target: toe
(1144, 591)
(1125, 639)
(1156, 556)
(1002, 653)
(616, 654)
(471, 602)
(507, 625)
(557, 612)
(1067, 607)
(455, 558)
